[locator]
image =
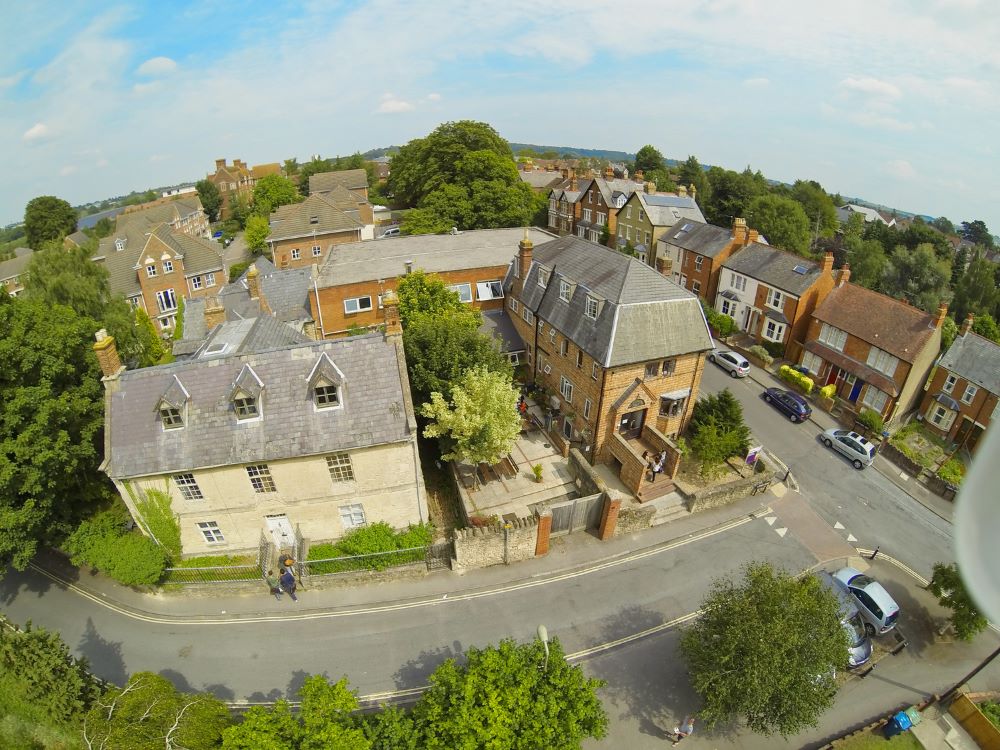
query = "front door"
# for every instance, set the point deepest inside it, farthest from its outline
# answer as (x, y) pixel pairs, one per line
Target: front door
(630, 425)
(281, 532)
(855, 390)
(968, 434)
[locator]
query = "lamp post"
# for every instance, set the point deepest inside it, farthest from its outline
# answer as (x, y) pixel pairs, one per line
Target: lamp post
(543, 636)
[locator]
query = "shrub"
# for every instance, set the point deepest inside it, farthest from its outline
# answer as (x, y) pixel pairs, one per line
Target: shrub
(827, 391)
(103, 543)
(803, 382)
(762, 354)
(872, 421)
(376, 540)
(953, 471)
(236, 270)
(775, 348)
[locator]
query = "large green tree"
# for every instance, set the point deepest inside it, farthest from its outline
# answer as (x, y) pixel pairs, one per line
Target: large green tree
(782, 220)
(818, 205)
(512, 697)
(947, 585)
(976, 291)
(47, 218)
(273, 191)
(256, 234)
(649, 159)
(690, 172)
(916, 276)
(422, 293)
(731, 194)
(943, 224)
(987, 327)
(51, 422)
(211, 198)
(977, 233)
(479, 423)
(868, 261)
(765, 649)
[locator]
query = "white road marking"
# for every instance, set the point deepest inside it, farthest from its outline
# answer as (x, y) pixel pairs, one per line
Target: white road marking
(782, 531)
(851, 538)
(770, 520)
(838, 525)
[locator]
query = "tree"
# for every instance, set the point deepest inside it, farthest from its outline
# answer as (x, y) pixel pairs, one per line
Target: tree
(315, 165)
(391, 729)
(975, 232)
(765, 649)
(510, 696)
(959, 265)
(731, 193)
(920, 234)
(422, 293)
(211, 198)
(717, 430)
(239, 209)
(291, 167)
(782, 220)
(949, 330)
(264, 729)
(943, 224)
(481, 423)
(867, 260)
(150, 712)
(818, 205)
(68, 277)
(916, 276)
(273, 191)
(690, 172)
(649, 159)
(256, 234)
(947, 585)
(47, 218)
(53, 419)
(976, 291)
(987, 327)
(425, 221)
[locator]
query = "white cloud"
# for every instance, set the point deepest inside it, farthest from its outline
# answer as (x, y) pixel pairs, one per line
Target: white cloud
(871, 87)
(7, 82)
(101, 163)
(391, 105)
(36, 132)
(900, 168)
(157, 66)
(67, 170)
(434, 97)
(756, 83)
(871, 119)
(146, 88)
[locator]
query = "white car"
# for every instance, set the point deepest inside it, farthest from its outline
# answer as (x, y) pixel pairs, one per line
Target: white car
(878, 609)
(738, 366)
(859, 450)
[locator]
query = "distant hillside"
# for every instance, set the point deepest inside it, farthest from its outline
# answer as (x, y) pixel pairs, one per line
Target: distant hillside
(570, 152)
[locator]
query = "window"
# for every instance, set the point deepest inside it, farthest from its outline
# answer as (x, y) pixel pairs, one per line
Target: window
(833, 337)
(774, 331)
(168, 266)
(671, 407)
(543, 277)
(210, 530)
(352, 516)
(647, 239)
(668, 367)
(941, 417)
(314, 220)
(567, 428)
(566, 389)
(165, 300)
(317, 251)
(579, 358)
(487, 290)
(590, 196)
(464, 291)
(882, 361)
(970, 393)
(171, 417)
(296, 254)
(119, 245)
(729, 307)
(586, 214)
(738, 282)
(628, 233)
(167, 323)
(552, 335)
(150, 271)
(775, 299)
(209, 279)
(580, 231)
(586, 408)
(565, 290)
(196, 282)
(357, 304)
(564, 347)
(513, 305)
(593, 236)
(696, 287)
(602, 218)
(340, 466)
(628, 212)
(699, 260)
(590, 310)
(527, 316)
(875, 398)
(595, 370)
(949, 383)
(600, 200)
(260, 478)
(188, 487)
(246, 407)
(642, 215)
(326, 396)
(813, 363)
(652, 369)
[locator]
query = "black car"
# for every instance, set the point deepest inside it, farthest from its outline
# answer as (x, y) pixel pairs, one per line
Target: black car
(792, 404)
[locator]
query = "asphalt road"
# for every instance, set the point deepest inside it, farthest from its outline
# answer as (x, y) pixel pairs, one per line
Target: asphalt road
(869, 506)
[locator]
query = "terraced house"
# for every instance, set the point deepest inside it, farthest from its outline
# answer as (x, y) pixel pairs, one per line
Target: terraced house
(303, 233)
(692, 253)
(622, 346)
(645, 217)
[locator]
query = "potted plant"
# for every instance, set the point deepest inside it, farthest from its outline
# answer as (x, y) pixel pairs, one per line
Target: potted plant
(537, 471)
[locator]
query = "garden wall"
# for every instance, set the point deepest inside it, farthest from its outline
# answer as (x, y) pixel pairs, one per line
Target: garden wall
(724, 494)
(586, 479)
(899, 458)
(982, 730)
(497, 544)
(634, 517)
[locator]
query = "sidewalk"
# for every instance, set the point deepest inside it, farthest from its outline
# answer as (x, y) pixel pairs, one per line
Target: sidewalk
(910, 485)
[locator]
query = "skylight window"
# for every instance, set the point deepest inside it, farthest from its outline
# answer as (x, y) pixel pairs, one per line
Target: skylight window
(800, 269)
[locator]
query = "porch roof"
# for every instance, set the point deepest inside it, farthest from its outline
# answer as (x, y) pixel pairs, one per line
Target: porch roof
(853, 366)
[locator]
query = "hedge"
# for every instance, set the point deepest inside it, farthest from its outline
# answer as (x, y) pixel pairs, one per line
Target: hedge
(803, 382)
(762, 354)
(827, 391)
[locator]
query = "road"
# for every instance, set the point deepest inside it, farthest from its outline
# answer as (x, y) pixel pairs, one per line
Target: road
(870, 507)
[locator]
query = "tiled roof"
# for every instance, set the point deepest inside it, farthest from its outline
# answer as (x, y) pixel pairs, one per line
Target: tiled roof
(976, 359)
(882, 321)
(539, 179)
(296, 219)
(352, 179)
(642, 315)
(698, 237)
(263, 170)
(16, 265)
(775, 267)
(667, 210)
(374, 409)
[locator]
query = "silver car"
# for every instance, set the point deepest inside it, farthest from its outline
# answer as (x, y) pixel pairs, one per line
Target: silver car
(859, 450)
(879, 610)
(737, 366)
(859, 645)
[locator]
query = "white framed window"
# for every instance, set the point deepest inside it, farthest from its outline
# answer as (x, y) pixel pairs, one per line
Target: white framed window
(565, 290)
(188, 487)
(652, 369)
(595, 371)
(168, 266)
(340, 466)
(517, 267)
(587, 406)
(579, 359)
(171, 417)
(602, 218)
(940, 417)
(833, 337)
(949, 383)
(209, 279)
(166, 301)
(527, 316)
(970, 393)
(775, 299)
(882, 361)
(514, 305)
(668, 367)
(874, 398)
(196, 282)
(628, 233)
(628, 212)
(151, 270)
(210, 530)
(119, 245)
(729, 307)
(326, 396)
(317, 251)
(580, 232)
(774, 331)
(352, 516)
(587, 214)
(593, 236)
(260, 478)
(671, 407)
(464, 291)
(590, 310)
(357, 304)
(487, 290)
(647, 239)
(811, 362)
(167, 322)
(699, 260)
(567, 428)
(600, 200)
(296, 253)
(566, 389)
(738, 282)
(543, 277)
(642, 215)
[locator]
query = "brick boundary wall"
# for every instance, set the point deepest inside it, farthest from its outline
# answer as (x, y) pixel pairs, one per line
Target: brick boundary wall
(481, 547)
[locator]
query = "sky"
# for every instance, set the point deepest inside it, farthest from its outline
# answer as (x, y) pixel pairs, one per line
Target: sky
(890, 101)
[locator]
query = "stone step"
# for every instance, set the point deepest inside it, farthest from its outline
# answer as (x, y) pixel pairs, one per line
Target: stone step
(668, 507)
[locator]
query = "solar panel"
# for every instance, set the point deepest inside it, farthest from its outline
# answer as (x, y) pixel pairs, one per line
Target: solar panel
(800, 269)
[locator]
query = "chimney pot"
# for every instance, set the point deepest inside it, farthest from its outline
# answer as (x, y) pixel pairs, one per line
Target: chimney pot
(939, 316)
(827, 265)
(967, 324)
(692, 191)
(682, 191)
(843, 274)
(107, 354)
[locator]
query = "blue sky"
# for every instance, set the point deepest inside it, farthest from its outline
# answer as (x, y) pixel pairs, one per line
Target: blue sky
(891, 101)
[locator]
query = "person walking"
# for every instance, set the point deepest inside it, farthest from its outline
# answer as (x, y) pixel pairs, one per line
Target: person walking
(273, 585)
(684, 730)
(287, 582)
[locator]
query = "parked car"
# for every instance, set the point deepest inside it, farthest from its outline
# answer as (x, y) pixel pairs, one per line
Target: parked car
(737, 366)
(859, 645)
(792, 404)
(878, 609)
(392, 232)
(859, 450)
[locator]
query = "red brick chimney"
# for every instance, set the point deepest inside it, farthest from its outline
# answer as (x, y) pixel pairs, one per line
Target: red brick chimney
(107, 354)
(939, 316)
(638, 175)
(220, 164)
(572, 180)
(740, 234)
(609, 172)
(966, 324)
(827, 265)
(525, 249)
(843, 274)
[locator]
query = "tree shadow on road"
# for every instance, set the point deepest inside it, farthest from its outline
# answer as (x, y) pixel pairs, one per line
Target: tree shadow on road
(416, 671)
(104, 657)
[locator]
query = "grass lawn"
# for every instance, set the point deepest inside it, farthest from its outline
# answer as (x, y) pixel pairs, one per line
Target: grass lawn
(920, 444)
(876, 739)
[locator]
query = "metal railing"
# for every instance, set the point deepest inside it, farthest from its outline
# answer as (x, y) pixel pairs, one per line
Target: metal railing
(373, 561)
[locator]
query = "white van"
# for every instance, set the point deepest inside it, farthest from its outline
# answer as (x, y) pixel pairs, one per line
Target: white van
(391, 232)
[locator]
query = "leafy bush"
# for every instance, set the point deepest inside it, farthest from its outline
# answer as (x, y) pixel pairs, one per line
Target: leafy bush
(872, 421)
(717, 430)
(236, 270)
(827, 391)
(775, 348)
(103, 543)
(803, 382)
(762, 354)
(371, 548)
(723, 325)
(157, 515)
(953, 471)
(991, 711)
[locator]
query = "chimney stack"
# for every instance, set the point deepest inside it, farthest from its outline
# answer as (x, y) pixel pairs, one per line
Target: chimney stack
(565, 173)
(215, 313)
(650, 188)
(682, 191)
(966, 325)
(390, 303)
(940, 315)
(827, 265)
(572, 180)
(609, 172)
(220, 164)
(692, 191)
(525, 249)
(843, 274)
(639, 175)
(740, 234)
(253, 282)
(107, 354)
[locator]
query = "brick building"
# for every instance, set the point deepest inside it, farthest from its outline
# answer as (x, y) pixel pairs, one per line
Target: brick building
(237, 179)
(645, 217)
(303, 233)
(692, 253)
(355, 180)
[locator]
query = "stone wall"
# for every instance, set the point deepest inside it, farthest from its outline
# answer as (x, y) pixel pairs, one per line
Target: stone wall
(897, 457)
(585, 478)
(724, 494)
(484, 546)
(634, 517)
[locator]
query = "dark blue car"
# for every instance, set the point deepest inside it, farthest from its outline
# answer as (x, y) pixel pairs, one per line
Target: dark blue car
(792, 404)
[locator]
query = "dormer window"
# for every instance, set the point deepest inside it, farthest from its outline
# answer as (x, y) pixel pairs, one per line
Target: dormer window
(314, 220)
(591, 309)
(543, 277)
(326, 396)
(119, 244)
(565, 290)
(171, 417)
(326, 383)
(245, 395)
(171, 405)
(151, 270)
(168, 266)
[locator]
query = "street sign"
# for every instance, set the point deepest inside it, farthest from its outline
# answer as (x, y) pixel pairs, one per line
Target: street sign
(752, 454)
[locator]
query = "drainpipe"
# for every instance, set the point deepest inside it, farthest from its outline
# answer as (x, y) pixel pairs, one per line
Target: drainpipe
(319, 310)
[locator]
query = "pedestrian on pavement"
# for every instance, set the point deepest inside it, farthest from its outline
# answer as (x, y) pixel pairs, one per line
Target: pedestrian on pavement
(287, 582)
(273, 585)
(684, 730)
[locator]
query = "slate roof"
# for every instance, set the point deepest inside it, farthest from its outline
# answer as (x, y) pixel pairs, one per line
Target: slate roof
(667, 210)
(976, 359)
(370, 260)
(774, 267)
(610, 188)
(295, 220)
(374, 409)
(164, 212)
(704, 239)
(642, 315)
(882, 321)
(539, 180)
(16, 265)
(352, 179)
